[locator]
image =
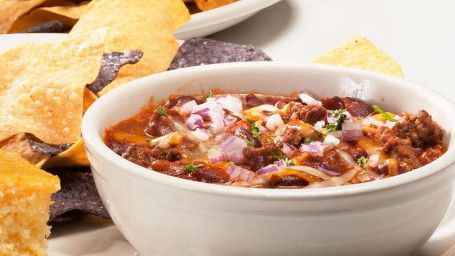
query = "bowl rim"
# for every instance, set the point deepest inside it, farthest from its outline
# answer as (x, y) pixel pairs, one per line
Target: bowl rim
(94, 142)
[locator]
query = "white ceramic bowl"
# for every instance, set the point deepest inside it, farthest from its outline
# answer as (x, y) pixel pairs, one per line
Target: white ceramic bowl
(164, 215)
(211, 21)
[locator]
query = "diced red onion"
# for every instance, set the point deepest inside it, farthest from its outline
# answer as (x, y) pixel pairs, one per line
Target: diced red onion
(237, 173)
(194, 121)
(262, 129)
(228, 120)
(201, 134)
(315, 148)
(233, 147)
(288, 149)
(319, 125)
(274, 121)
(280, 163)
(373, 160)
(330, 140)
(267, 108)
(216, 155)
(328, 170)
(204, 113)
(188, 106)
(230, 103)
(307, 99)
(217, 117)
(269, 168)
(352, 131)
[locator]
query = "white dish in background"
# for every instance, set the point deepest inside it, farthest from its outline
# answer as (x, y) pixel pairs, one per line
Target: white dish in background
(211, 21)
(85, 239)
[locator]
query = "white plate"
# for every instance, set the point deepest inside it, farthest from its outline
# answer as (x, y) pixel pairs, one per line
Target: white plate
(88, 239)
(209, 22)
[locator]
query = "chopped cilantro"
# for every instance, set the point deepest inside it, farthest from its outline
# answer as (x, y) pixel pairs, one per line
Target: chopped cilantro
(384, 114)
(278, 157)
(289, 162)
(307, 140)
(341, 116)
(251, 121)
(209, 96)
(148, 140)
(231, 163)
(249, 143)
(161, 111)
(255, 130)
(362, 161)
(268, 141)
(193, 167)
(168, 154)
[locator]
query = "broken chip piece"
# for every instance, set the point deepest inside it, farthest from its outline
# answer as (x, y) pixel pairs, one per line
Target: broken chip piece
(110, 66)
(202, 51)
(77, 194)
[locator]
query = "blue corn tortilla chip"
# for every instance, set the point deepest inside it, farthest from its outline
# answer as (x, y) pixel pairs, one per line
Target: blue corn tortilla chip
(40, 147)
(203, 51)
(110, 65)
(77, 196)
(52, 26)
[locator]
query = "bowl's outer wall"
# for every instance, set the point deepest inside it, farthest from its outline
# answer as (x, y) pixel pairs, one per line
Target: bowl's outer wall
(161, 218)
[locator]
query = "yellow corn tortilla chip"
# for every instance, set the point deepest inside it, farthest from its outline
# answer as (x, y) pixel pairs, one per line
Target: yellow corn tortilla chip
(89, 98)
(74, 156)
(205, 5)
(66, 12)
(360, 53)
(10, 10)
(143, 25)
(42, 87)
(116, 83)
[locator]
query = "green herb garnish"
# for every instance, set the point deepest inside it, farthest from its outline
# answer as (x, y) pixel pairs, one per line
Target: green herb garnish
(168, 154)
(362, 161)
(249, 143)
(209, 96)
(278, 157)
(255, 130)
(307, 140)
(193, 167)
(161, 111)
(384, 114)
(341, 116)
(231, 163)
(148, 140)
(289, 162)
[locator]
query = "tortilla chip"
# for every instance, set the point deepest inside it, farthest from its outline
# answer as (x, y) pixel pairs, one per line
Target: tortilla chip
(42, 87)
(65, 12)
(89, 98)
(117, 82)
(52, 26)
(110, 66)
(78, 193)
(360, 53)
(11, 9)
(74, 156)
(203, 51)
(144, 25)
(206, 5)
(19, 144)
